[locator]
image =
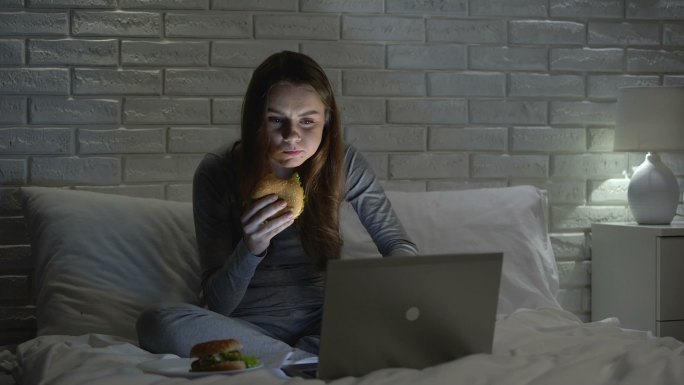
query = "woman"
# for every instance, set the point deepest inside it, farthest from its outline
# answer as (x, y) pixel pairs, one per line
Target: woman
(263, 279)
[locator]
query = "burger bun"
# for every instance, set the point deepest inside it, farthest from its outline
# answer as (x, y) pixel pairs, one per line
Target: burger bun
(215, 347)
(289, 190)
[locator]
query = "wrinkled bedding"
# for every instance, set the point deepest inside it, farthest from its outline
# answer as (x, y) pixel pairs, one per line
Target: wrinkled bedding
(100, 259)
(548, 346)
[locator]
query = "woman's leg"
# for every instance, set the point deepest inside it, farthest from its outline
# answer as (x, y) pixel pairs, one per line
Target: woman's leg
(175, 328)
(288, 326)
(299, 328)
(309, 344)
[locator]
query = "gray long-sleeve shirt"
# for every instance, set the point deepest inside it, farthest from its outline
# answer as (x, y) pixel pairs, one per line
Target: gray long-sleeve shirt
(239, 284)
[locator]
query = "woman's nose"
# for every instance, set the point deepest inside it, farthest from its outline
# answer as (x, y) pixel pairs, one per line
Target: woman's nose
(291, 133)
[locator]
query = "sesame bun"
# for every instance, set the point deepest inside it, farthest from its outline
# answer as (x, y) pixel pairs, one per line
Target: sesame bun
(289, 190)
(214, 347)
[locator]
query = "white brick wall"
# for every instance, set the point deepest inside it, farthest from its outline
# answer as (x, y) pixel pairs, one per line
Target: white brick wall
(125, 96)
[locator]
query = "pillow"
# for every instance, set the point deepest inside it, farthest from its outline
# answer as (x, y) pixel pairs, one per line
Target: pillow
(508, 219)
(100, 259)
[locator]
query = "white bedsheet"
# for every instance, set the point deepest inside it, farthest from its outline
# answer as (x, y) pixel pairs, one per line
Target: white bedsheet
(547, 346)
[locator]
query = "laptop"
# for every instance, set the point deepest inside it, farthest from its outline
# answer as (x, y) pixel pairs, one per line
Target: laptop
(408, 312)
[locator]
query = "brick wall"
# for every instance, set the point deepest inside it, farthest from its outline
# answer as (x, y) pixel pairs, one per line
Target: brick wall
(125, 96)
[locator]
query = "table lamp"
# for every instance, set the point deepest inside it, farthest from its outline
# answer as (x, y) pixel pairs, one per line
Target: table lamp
(651, 119)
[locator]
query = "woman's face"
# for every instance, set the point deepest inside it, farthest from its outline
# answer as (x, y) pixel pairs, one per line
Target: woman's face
(295, 118)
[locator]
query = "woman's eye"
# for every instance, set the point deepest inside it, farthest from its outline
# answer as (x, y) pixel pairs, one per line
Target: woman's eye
(307, 122)
(275, 121)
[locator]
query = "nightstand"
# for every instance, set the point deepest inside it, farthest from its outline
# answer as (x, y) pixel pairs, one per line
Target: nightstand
(638, 276)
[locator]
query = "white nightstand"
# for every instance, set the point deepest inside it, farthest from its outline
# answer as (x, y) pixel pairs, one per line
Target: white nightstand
(638, 276)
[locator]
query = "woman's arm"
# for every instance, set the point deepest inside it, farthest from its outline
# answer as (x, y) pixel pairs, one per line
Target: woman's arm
(227, 265)
(368, 198)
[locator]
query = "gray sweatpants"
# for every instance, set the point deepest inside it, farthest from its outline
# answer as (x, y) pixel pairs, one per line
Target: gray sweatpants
(175, 328)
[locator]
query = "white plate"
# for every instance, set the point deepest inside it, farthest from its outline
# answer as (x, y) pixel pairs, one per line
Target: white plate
(180, 367)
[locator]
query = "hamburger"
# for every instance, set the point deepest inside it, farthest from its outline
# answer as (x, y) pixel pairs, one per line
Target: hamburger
(220, 355)
(289, 190)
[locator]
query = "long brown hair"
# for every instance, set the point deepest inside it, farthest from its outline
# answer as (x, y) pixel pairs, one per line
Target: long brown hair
(322, 175)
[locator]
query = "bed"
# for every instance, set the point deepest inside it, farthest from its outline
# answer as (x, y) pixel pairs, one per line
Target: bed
(101, 258)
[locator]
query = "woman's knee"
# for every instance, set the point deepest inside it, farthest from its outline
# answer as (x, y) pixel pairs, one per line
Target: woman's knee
(155, 324)
(154, 316)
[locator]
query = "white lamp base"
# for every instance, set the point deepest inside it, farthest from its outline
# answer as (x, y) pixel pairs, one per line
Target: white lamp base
(653, 192)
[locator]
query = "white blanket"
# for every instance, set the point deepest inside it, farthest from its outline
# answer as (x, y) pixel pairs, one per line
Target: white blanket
(548, 346)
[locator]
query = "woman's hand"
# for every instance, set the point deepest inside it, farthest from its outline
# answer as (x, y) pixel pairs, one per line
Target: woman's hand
(258, 225)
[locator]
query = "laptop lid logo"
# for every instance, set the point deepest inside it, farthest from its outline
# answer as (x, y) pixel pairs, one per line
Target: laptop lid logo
(412, 313)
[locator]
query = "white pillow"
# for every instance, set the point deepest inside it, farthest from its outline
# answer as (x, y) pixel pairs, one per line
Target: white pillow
(508, 219)
(100, 258)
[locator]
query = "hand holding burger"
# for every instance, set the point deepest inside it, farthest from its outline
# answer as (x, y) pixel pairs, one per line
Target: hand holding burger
(289, 190)
(220, 355)
(275, 205)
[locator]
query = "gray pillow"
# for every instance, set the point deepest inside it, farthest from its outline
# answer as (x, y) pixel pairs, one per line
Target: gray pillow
(100, 259)
(508, 219)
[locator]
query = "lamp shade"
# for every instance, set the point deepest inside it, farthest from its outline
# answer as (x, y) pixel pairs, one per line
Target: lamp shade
(650, 119)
